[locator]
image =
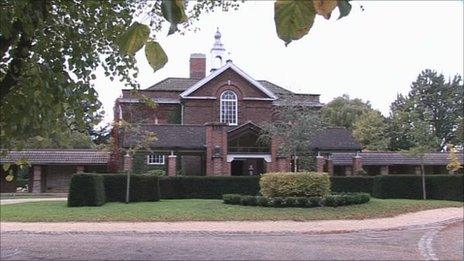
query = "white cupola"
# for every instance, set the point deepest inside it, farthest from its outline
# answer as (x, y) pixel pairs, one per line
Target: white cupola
(218, 52)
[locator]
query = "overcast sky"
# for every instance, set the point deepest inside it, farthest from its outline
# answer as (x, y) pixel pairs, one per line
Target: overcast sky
(372, 54)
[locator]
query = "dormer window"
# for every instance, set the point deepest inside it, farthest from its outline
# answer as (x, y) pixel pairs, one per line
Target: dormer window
(228, 108)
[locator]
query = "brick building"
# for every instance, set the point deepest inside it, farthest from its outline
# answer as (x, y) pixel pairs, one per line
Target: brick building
(208, 123)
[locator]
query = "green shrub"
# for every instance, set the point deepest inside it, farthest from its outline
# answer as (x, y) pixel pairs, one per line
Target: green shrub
(352, 184)
(156, 172)
(86, 190)
(280, 202)
(363, 198)
(302, 184)
(276, 202)
(249, 201)
(142, 188)
(207, 187)
(232, 199)
(313, 202)
(291, 202)
(330, 201)
(262, 201)
(446, 187)
(301, 202)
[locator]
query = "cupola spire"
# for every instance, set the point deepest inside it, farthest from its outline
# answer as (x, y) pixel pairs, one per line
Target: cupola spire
(218, 52)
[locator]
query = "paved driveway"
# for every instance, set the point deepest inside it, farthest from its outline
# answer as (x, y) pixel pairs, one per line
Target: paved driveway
(430, 242)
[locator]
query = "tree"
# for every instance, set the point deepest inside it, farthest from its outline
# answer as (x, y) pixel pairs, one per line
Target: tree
(370, 130)
(343, 111)
(50, 50)
(296, 128)
(454, 164)
(399, 124)
(434, 101)
(423, 141)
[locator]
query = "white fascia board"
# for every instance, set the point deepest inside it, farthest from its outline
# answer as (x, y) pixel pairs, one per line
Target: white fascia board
(266, 157)
(200, 97)
(221, 70)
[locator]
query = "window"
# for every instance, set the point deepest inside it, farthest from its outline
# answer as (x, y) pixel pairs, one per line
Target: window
(155, 159)
(228, 108)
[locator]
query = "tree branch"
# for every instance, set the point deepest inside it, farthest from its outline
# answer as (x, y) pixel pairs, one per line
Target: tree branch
(19, 55)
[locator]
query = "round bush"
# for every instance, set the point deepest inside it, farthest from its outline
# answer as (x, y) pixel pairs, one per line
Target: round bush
(300, 184)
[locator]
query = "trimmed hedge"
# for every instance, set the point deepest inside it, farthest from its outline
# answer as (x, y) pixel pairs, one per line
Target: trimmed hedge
(352, 184)
(300, 202)
(142, 188)
(446, 187)
(207, 187)
(290, 184)
(86, 190)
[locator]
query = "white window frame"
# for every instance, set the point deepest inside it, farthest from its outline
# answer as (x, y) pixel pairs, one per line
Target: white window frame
(222, 108)
(155, 159)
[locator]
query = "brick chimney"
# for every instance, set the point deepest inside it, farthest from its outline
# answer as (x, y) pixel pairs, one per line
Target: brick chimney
(197, 66)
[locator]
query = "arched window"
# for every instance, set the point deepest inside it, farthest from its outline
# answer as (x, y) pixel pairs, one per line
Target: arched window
(229, 108)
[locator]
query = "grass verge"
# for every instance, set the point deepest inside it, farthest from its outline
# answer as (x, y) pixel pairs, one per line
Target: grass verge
(208, 210)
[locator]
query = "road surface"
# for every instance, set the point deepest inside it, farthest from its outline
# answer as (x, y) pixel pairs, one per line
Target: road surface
(427, 242)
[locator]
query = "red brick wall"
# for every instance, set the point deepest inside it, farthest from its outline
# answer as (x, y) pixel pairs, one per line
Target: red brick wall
(216, 136)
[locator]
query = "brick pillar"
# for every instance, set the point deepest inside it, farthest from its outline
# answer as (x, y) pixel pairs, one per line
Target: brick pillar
(384, 170)
(273, 166)
(172, 165)
(79, 169)
(320, 162)
(357, 164)
(330, 166)
(37, 179)
(127, 163)
(216, 149)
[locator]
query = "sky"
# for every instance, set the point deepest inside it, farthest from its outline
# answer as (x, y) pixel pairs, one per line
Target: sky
(374, 53)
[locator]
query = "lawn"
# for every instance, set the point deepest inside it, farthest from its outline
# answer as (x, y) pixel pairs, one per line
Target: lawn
(201, 209)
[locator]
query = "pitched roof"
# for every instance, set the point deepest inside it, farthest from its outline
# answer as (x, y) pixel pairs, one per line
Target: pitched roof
(181, 84)
(284, 96)
(171, 136)
(333, 139)
(173, 84)
(298, 99)
(393, 158)
(228, 65)
(58, 156)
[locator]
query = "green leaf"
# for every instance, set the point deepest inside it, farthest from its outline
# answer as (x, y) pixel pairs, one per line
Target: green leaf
(134, 38)
(174, 12)
(293, 19)
(6, 166)
(156, 56)
(344, 7)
